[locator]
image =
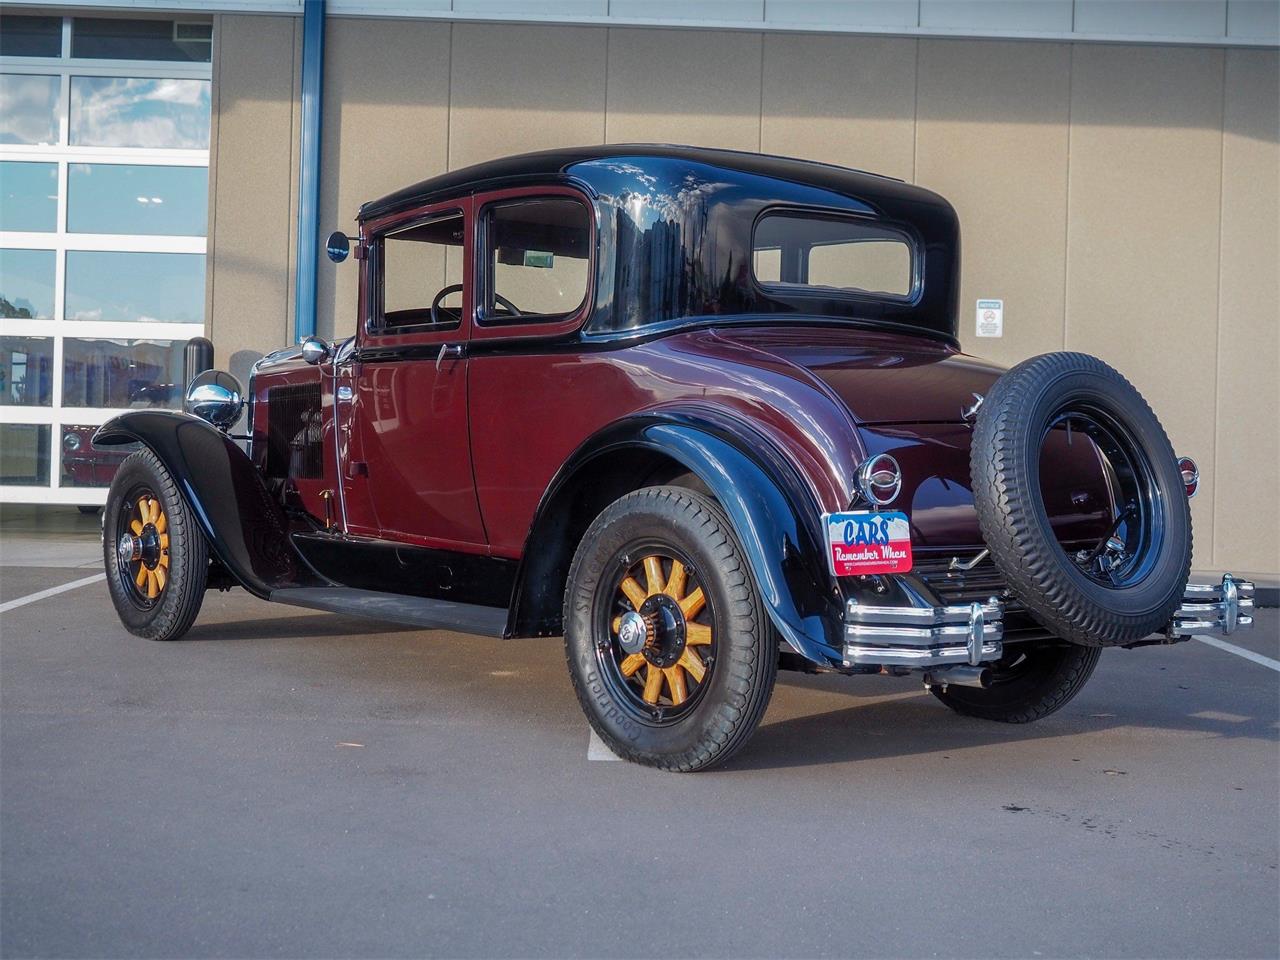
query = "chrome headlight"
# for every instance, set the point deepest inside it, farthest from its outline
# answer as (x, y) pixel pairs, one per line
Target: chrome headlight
(71, 441)
(215, 396)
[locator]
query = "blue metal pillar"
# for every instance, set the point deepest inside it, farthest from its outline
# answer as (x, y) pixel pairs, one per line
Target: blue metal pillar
(309, 169)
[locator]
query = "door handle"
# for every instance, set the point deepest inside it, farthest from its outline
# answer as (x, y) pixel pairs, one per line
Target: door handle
(451, 351)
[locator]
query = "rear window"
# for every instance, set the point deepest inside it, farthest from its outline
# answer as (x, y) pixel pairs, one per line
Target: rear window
(822, 253)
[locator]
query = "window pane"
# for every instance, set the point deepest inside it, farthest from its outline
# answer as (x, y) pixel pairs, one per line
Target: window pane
(136, 112)
(103, 39)
(82, 465)
(417, 264)
(26, 283)
(829, 252)
(29, 196)
(150, 287)
(122, 373)
(28, 108)
(115, 198)
(30, 36)
(538, 259)
(26, 371)
(24, 454)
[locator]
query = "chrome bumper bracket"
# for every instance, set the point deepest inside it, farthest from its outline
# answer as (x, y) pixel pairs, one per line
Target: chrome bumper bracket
(923, 636)
(1215, 608)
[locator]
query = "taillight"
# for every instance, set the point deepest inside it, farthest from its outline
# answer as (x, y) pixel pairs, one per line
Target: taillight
(1190, 475)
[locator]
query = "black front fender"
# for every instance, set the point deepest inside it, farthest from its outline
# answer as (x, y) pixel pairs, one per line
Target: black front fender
(773, 512)
(246, 528)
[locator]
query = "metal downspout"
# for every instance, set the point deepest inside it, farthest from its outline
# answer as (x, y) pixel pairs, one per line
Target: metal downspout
(309, 169)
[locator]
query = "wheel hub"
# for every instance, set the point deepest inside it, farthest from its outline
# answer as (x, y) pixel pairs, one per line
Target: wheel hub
(666, 625)
(633, 632)
(129, 548)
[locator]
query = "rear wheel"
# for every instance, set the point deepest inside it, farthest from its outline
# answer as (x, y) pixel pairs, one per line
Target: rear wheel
(670, 650)
(157, 560)
(1029, 682)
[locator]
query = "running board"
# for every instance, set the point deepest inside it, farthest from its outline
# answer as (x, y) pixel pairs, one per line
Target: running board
(396, 608)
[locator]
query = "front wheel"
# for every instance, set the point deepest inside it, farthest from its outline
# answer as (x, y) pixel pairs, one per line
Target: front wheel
(670, 650)
(156, 558)
(1029, 682)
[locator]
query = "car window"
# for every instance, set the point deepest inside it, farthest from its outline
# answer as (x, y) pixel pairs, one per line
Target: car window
(805, 250)
(415, 267)
(538, 254)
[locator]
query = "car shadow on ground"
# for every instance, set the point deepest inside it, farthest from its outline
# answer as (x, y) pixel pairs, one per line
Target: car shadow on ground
(873, 718)
(914, 723)
(315, 625)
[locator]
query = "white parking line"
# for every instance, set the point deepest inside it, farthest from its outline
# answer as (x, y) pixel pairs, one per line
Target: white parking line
(51, 592)
(596, 748)
(1240, 652)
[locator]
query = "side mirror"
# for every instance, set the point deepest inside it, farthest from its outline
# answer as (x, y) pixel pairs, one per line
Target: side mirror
(315, 350)
(338, 246)
(215, 396)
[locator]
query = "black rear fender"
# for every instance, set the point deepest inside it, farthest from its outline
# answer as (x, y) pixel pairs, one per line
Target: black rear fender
(246, 527)
(775, 516)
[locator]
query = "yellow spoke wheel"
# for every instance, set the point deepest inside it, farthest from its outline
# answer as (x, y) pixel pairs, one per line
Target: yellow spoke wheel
(661, 633)
(142, 548)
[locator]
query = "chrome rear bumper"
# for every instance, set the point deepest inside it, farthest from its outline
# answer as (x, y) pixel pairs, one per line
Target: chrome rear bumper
(1217, 608)
(922, 636)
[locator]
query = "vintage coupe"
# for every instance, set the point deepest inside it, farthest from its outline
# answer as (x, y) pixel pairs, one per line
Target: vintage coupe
(703, 413)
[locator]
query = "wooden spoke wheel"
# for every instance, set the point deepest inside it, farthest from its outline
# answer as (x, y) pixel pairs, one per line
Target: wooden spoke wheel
(662, 637)
(142, 546)
(670, 648)
(155, 556)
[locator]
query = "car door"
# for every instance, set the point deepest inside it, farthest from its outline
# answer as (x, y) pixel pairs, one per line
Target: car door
(403, 394)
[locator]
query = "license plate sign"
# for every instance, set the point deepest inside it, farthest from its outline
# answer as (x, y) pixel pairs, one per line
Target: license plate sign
(865, 542)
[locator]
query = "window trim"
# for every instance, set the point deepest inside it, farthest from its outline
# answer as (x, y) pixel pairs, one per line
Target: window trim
(375, 316)
(784, 290)
(368, 334)
(547, 326)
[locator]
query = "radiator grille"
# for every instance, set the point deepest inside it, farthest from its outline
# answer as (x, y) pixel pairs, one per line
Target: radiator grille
(295, 447)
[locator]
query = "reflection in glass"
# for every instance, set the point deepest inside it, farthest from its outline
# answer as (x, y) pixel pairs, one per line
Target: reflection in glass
(120, 198)
(30, 36)
(101, 39)
(122, 373)
(26, 284)
(150, 287)
(29, 108)
(85, 466)
(29, 196)
(138, 112)
(24, 454)
(26, 371)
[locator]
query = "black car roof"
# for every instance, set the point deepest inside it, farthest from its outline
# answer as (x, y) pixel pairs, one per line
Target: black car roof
(578, 162)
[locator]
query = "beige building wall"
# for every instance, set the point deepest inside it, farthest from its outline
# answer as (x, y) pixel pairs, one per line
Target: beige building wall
(1121, 200)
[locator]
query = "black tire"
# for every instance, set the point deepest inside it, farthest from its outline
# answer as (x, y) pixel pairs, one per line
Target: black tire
(1124, 603)
(1030, 682)
(724, 710)
(171, 612)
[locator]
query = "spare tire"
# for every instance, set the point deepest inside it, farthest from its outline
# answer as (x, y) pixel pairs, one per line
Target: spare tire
(1128, 585)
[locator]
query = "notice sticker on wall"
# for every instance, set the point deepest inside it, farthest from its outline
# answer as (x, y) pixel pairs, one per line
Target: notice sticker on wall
(991, 318)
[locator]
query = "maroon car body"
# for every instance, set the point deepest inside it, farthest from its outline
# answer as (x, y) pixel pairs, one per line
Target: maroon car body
(761, 330)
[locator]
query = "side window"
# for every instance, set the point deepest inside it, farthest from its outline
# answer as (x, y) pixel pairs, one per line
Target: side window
(418, 276)
(538, 254)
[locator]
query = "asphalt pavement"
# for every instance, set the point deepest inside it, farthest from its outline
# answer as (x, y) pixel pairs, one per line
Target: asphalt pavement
(288, 783)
